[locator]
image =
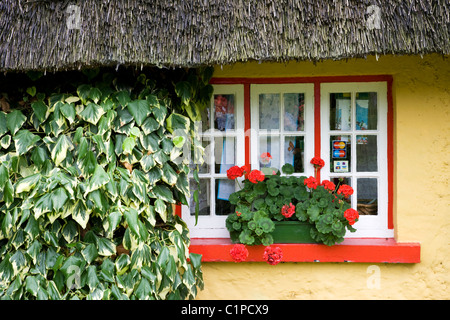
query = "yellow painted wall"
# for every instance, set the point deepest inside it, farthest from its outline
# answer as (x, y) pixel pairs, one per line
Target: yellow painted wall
(421, 90)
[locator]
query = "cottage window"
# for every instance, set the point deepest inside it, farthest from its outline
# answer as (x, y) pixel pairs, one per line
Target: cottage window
(347, 121)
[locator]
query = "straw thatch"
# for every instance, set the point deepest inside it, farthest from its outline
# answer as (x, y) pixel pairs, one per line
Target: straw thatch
(44, 34)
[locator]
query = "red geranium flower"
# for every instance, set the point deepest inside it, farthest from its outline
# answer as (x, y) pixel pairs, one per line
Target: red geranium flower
(328, 185)
(288, 210)
(351, 215)
(273, 255)
(311, 182)
(235, 172)
(255, 175)
(318, 162)
(345, 190)
(239, 252)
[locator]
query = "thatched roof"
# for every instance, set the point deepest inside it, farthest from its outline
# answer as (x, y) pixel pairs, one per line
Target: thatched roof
(44, 34)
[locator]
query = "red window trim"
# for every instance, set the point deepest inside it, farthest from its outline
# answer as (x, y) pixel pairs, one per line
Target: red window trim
(372, 250)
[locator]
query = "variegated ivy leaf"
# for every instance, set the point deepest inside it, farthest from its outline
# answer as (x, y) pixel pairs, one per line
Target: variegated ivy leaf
(40, 110)
(139, 109)
(5, 141)
(15, 120)
(24, 140)
(59, 151)
(105, 247)
(68, 110)
(92, 113)
(28, 183)
(80, 213)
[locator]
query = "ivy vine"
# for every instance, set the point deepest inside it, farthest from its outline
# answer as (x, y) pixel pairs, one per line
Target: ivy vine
(90, 170)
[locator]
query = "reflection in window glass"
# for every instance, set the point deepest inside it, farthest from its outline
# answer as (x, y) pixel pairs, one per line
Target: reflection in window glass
(340, 153)
(366, 111)
(294, 148)
(340, 111)
(367, 196)
(366, 153)
(271, 145)
(224, 112)
(294, 113)
(269, 111)
(203, 196)
(224, 187)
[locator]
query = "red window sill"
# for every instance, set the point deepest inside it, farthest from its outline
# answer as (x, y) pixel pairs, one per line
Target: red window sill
(350, 250)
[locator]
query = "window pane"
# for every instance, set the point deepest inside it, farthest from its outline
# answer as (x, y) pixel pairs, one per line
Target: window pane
(294, 148)
(203, 196)
(205, 167)
(340, 153)
(294, 111)
(340, 111)
(269, 111)
(366, 153)
(224, 153)
(224, 188)
(366, 111)
(367, 196)
(223, 111)
(269, 144)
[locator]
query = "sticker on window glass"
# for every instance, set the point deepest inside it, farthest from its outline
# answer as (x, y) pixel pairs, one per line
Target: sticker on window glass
(339, 149)
(341, 166)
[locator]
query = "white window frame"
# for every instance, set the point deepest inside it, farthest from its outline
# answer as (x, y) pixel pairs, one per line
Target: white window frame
(368, 225)
(308, 90)
(212, 225)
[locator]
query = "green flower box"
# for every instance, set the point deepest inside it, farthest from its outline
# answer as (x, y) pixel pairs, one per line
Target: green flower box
(292, 232)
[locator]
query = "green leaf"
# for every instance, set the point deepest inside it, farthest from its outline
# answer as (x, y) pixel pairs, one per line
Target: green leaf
(68, 110)
(40, 110)
(15, 120)
(150, 125)
(90, 253)
(59, 152)
(5, 141)
(32, 285)
(28, 183)
(177, 122)
(123, 97)
(122, 264)
(43, 205)
(144, 290)
(128, 144)
(4, 176)
(131, 216)
(169, 175)
(80, 213)
(92, 279)
(98, 179)
(160, 207)
(114, 219)
(105, 247)
(88, 164)
(139, 109)
(92, 113)
(183, 90)
(24, 140)
(59, 198)
(3, 127)
(70, 231)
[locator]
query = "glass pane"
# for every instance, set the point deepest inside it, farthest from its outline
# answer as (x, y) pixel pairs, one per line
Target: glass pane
(366, 111)
(271, 145)
(223, 111)
(204, 196)
(340, 111)
(366, 153)
(367, 196)
(224, 188)
(294, 113)
(269, 111)
(205, 167)
(224, 153)
(294, 148)
(339, 181)
(340, 153)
